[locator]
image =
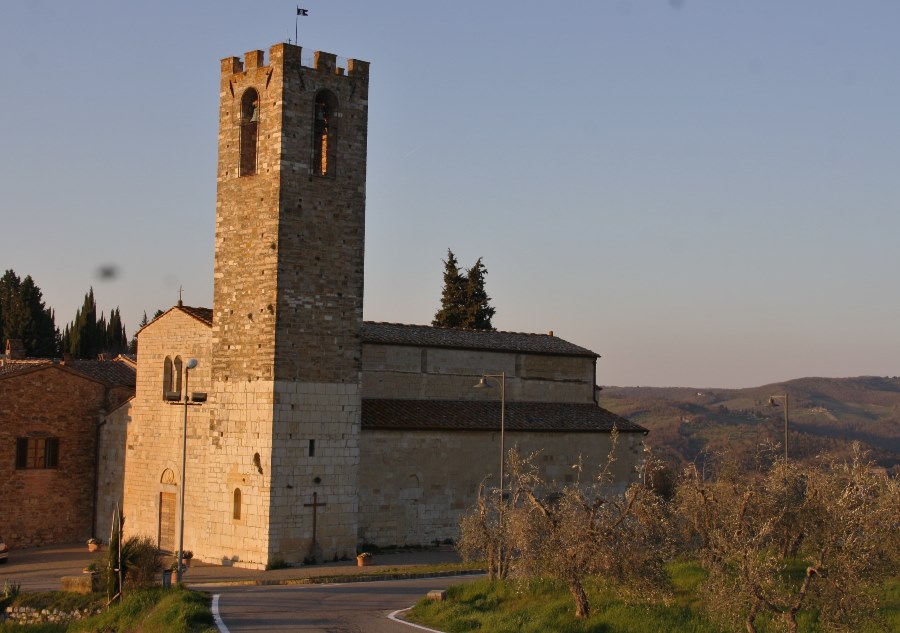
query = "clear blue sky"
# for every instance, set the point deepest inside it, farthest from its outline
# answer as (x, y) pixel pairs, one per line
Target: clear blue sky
(703, 192)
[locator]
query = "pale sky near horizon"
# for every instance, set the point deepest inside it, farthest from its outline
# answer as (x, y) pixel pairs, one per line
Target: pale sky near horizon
(705, 193)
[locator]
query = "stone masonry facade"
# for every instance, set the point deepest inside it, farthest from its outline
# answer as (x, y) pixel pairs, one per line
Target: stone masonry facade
(320, 431)
(287, 307)
(423, 481)
(153, 445)
(45, 505)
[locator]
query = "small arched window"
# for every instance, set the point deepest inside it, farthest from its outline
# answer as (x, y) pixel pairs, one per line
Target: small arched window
(324, 133)
(167, 377)
(236, 510)
(177, 377)
(249, 131)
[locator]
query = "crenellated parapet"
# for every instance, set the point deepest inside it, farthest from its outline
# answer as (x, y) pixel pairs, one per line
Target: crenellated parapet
(289, 56)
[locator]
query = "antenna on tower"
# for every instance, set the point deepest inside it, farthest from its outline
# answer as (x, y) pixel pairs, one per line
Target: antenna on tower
(300, 12)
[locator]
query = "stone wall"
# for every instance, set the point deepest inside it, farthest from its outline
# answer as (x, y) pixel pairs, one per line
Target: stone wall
(154, 438)
(420, 482)
(287, 310)
(43, 506)
(403, 371)
(111, 468)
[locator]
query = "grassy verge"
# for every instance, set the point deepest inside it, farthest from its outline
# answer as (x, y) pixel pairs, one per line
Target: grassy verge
(380, 573)
(147, 611)
(536, 607)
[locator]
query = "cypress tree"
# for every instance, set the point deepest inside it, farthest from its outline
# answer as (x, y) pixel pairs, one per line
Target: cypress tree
(479, 311)
(83, 339)
(116, 341)
(23, 316)
(453, 298)
(464, 301)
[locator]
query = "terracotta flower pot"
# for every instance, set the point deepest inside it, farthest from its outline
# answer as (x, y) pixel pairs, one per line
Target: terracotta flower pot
(364, 561)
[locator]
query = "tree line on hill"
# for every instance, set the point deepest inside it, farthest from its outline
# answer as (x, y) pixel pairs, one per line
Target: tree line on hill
(25, 317)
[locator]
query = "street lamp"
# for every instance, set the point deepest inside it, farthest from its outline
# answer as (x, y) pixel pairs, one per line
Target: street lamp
(484, 383)
(787, 406)
(189, 400)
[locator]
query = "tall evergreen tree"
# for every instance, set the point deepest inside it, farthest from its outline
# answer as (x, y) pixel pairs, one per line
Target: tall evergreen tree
(464, 301)
(116, 341)
(24, 316)
(453, 298)
(479, 311)
(84, 338)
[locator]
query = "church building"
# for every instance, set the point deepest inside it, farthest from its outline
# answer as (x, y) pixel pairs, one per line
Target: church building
(308, 430)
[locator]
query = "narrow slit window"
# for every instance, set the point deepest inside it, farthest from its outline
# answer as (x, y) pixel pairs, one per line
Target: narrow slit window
(236, 509)
(312, 448)
(168, 371)
(324, 133)
(249, 131)
(177, 377)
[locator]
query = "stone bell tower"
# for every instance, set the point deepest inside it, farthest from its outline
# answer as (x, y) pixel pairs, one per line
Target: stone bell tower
(287, 308)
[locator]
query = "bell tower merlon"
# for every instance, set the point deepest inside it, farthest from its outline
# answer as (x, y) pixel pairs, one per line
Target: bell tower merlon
(287, 306)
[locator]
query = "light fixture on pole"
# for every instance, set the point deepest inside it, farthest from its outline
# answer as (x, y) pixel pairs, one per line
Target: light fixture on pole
(787, 406)
(189, 400)
(484, 383)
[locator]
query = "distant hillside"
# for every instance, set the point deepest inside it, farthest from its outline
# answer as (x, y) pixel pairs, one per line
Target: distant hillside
(826, 415)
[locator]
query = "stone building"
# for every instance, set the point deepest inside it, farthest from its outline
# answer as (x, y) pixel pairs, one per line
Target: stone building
(315, 431)
(53, 418)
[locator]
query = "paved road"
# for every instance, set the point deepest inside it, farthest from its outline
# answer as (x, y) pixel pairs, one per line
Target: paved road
(349, 608)
(40, 569)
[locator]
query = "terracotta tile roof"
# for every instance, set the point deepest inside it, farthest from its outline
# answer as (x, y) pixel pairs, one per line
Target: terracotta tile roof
(201, 314)
(427, 336)
(468, 415)
(114, 373)
(16, 367)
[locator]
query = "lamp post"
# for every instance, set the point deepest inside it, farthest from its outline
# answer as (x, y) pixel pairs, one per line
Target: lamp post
(197, 398)
(484, 383)
(787, 406)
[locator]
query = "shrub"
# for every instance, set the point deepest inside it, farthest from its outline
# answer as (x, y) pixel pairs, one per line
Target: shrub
(143, 562)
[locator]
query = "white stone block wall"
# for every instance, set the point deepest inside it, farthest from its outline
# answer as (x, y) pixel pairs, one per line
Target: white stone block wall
(410, 372)
(417, 484)
(154, 438)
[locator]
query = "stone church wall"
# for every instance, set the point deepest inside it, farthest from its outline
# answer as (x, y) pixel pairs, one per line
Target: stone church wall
(409, 372)
(420, 482)
(111, 467)
(153, 447)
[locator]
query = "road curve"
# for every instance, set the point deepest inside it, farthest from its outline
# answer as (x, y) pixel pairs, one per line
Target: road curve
(359, 607)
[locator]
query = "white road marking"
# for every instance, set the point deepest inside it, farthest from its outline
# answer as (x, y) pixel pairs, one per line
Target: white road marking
(393, 616)
(217, 616)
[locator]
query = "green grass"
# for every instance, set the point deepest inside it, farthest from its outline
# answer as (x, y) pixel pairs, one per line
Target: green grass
(147, 611)
(537, 607)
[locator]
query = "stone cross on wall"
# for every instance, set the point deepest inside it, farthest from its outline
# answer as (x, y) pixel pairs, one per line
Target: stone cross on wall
(314, 551)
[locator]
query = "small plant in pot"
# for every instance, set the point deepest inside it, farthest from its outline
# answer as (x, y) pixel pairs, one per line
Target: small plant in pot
(186, 557)
(365, 559)
(93, 544)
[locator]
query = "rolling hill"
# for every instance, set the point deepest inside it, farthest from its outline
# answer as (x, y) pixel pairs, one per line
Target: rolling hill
(825, 416)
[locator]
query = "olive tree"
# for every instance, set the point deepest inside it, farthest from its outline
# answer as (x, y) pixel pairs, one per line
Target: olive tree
(571, 532)
(793, 538)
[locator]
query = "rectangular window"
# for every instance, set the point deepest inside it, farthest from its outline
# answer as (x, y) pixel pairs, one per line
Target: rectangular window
(312, 448)
(37, 452)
